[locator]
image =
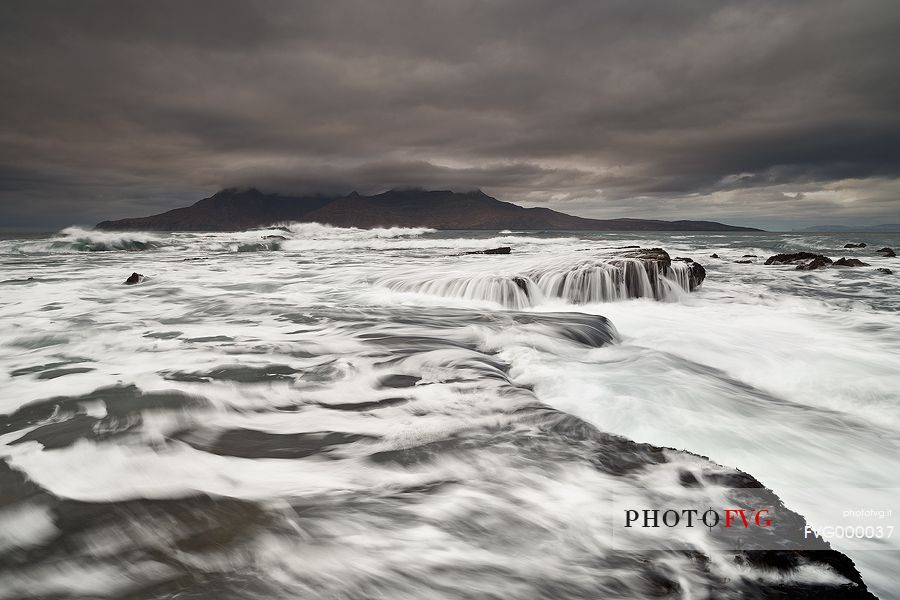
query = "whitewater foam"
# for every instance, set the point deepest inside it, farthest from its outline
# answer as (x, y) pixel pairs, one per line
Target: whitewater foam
(382, 378)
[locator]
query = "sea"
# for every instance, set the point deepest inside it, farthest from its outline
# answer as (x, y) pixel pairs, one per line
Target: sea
(320, 412)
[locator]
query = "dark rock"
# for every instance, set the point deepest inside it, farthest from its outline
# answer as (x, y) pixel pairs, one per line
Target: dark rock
(236, 373)
(850, 262)
(363, 406)
(500, 250)
(859, 245)
(785, 259)
(743, 262)
(813, 261)
(627, 247)
(818, 262)
(134, 278)
(888, 252)
(749, 256)
(885, 271)
(714, 256)
(274, 237)
(688, 479)
(651, 254)
(698, 274)
(398, 381)
(521, 283)
(658, 260)
(62, 434)
(249, 443)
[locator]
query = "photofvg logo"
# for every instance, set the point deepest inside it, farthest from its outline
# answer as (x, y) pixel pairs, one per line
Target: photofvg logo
(756, 518)
(679, 518)
(690, 517)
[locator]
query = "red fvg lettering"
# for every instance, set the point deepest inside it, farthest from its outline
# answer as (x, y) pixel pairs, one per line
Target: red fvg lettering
(731, 513)
(729, 517)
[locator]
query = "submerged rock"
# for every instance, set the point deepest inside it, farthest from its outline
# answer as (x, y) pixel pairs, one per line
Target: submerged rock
(749, 256)
(859, 245)
(888, 252)
(884, 271)
(743, 262)
(714, 256)
(805, 261)
(500, 250)
(274, 237)
(134, 278)
(850, 262)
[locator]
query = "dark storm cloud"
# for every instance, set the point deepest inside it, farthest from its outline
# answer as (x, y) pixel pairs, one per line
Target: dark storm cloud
(761, 112)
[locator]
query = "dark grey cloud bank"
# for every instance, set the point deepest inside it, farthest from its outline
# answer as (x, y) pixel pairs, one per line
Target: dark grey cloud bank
(772, 114)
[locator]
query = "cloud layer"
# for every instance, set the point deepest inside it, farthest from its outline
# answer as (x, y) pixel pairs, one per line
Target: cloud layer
(766, 113)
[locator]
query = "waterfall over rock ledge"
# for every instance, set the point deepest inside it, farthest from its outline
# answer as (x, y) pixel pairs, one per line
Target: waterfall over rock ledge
(649, 273)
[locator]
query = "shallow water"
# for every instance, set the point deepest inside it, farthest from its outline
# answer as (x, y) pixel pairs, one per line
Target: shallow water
(345, 412)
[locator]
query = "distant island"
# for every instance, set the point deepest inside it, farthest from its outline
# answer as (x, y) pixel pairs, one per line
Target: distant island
(238, 209)
(885, 228)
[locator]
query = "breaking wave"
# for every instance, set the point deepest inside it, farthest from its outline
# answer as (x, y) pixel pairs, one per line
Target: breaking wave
(76, 239)
(320, 231)
(301, 235)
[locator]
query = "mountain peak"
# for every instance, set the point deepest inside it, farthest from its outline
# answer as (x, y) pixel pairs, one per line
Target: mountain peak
(236, 209)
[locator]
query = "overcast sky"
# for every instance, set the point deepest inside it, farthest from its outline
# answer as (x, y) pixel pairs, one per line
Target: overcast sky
(774, 114)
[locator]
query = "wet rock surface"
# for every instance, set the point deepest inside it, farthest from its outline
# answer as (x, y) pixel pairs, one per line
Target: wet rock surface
(500, 250)
(850, 262)
(697, 272)
(820, 262)
(204, 545)
(658, 263)
(603, 277)
(657, 255)
(804, 261)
